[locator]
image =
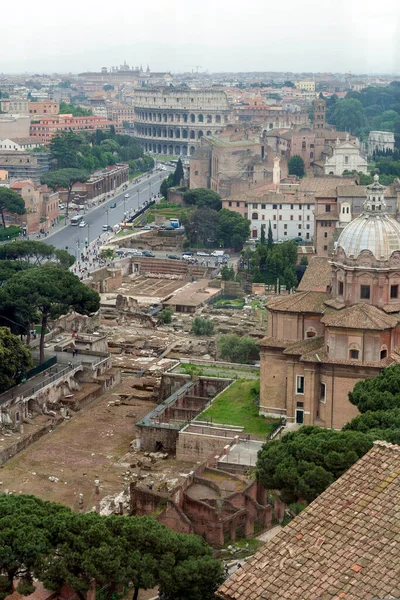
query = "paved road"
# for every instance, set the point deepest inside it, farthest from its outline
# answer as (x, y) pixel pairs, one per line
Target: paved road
(74, 237)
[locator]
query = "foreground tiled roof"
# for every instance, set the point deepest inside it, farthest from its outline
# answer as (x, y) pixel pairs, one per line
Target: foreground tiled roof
(361, 316)
(344, 545)
(305, 346)
(318, 275)
(309, 302)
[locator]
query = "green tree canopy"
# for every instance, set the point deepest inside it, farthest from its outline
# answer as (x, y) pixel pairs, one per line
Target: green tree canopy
(203, 197)
(349, 115)
(304, 463)
(232, 229)
(75, 111)
(34, 253)
(201, 326)
(178, 174)
(166, 183)
(238, 349)
(201, 225)
(51, 291)
(64, 179)
(15, 359)
(296, 166)
(10, 202)
(381, 393)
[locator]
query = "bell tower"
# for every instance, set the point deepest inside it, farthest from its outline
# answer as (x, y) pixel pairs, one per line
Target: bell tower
(319, 111)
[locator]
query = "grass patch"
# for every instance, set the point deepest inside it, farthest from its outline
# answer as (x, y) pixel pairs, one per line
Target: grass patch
(135, 174)
(238, 405)
(165, 158)
(164, 210)
(217, 371)
(236, 302)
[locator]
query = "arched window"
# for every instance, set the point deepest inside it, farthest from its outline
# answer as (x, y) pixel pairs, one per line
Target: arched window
(383, 353)
(208, 132)
(201, 119)
(184, 133)
(354, 352)
(303, 145)
(192, 118)
(200, 134)
(192, 135)
(254, 215)
(310, 333)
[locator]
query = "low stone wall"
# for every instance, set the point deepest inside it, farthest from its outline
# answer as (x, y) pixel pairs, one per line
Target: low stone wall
(27, 440)
(154, 438)
(198, 446)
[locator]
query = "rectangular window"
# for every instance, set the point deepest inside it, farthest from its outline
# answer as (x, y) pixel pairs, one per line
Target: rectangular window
(354, 354)
(325, 234)
(274, 206)
(291, 207)
(230, 203)
(308, 207)
(299, 384)
(365, 292)
(340, 288)
(285, 227)
(327, 208)
(322, 392)
(254, 205)
(325, 248)
(280, 217)
(237, 203)
(275, 226)
(394, 291)
(262, 206)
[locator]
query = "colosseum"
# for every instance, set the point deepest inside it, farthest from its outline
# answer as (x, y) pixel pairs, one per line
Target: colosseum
(168, 121)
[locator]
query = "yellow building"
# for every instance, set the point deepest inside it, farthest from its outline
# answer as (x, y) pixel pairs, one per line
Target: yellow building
(309, 86)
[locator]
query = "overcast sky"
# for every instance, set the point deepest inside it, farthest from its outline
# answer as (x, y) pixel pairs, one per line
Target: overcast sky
(361, 36)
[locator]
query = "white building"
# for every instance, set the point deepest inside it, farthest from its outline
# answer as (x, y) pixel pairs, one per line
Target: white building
(380, 141)
(291, 216)
(346, 157)
(19, 144)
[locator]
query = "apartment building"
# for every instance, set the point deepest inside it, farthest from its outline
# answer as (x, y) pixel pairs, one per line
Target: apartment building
(45, 128)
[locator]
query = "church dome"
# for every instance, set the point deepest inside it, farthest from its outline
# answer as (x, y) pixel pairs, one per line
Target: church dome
(374, 230)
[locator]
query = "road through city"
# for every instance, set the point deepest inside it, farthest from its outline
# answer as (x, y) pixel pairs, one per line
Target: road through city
(73, 238)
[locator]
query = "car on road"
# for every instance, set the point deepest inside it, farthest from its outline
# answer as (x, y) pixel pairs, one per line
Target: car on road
(148, 253)
(134, 252)
(107, 228)
(82, 224)
(61, 206)
(202, 253)
(127, 196)
(173, 256)
(113, 205)
(187, 253)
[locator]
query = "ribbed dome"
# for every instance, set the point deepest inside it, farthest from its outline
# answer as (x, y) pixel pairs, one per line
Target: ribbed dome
(380, 234)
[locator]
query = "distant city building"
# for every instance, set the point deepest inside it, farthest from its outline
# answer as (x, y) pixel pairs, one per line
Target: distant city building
(126, 74)
(15, 107)
(171, 121)
(232, 161)
(25, 165)
(380, 141)
(346, 157)
(45, 128)
(19, 144)
(43, 108)
(309, 86)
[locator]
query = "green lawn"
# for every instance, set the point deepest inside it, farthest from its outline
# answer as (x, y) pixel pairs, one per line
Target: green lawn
(237, 406)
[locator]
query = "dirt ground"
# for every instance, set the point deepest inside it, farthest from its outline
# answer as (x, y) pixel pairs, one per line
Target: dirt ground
(80, 450)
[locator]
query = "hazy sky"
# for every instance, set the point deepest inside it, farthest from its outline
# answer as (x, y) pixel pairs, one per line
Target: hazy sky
(220, 35)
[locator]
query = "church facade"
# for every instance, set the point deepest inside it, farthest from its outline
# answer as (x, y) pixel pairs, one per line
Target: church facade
(324, 339)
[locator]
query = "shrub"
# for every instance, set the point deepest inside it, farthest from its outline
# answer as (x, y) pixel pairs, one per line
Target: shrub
(166, 315)
(202, 326)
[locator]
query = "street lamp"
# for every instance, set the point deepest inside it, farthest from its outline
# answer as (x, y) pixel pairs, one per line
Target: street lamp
(107, 217)
(149, 190)
(88, 234)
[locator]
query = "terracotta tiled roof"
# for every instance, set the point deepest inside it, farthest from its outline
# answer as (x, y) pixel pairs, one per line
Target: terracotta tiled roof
(305, 346)
(344, 191)
(20, 184)
(344, 545)
(327, 216)
(320, 184)
(308, 302)
(361, 316)
(317, 276)
(391, 308)
(271, 342)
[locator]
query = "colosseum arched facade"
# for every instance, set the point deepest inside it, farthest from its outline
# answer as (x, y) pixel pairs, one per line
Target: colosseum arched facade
(173, 122)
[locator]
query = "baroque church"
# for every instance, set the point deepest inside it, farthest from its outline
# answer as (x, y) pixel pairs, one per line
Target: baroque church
(339, 329)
